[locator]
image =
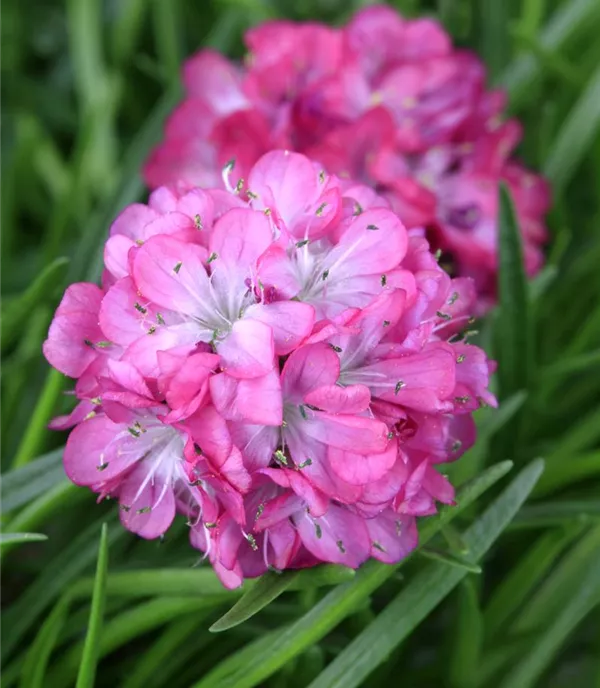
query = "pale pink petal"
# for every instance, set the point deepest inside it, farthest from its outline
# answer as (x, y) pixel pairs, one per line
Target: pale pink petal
(74, 330)
(248, 351)
(290, 321)
(256, 400)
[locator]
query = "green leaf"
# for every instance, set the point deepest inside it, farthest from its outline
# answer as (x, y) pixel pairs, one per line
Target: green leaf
(201, 581)
(581, 601)
(563, 25)
(19, 538)
(132, 624)
(575, 136)
(159, 655)
(17, 311)
(555, 592)
(27, 482)
(89, 659)
(34, 668)
(466, 637)
(56, 576)
(517, 586)
(561, 472)
(513, 331)
(450, 559)
(546, 514)
(268, 588)
(262, 658)
(424, 592)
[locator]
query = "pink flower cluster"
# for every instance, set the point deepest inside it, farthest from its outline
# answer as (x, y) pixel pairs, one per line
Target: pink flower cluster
(384, 101)
(284, 366)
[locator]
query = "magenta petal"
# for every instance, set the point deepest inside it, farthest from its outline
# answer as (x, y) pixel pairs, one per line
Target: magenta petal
(248, 350)
(74, 330)
(290, 321)
(338, 537)
(147, 506)
(360, 469)
(351, 433)
(336, 399)
(393, 536)
(239, 238)
(249, 401)
(171, 273)
(91, 455)
(309, 367)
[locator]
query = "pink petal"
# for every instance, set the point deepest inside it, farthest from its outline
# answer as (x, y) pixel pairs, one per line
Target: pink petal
(307, 368)
(358, 469)
(393, 536)
(248, 350)
(290, 321)
(351, 433)
(257, 400)
(74, 330)
(172, 275)
(147, 510)
(116, 255)
(335, 399)
(91, 456)
(210, 76)
(338, 537)
(239, 238)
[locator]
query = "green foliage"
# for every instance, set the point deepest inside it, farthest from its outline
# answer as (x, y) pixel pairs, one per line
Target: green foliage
(86, 87)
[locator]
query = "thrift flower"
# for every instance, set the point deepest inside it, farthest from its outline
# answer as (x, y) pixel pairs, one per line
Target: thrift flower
(384, 101)
(281, 363)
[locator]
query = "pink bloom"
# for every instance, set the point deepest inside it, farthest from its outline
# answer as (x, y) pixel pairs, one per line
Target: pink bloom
(385, 101)
(281, 363)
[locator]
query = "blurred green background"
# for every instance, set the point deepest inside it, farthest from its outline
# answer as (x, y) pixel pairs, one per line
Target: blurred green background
(85, 88)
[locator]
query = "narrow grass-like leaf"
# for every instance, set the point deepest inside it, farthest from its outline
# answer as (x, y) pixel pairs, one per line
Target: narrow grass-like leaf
(526, 574)
(569, 18)
(574, 364)
(200, 582)
(20, 538)
(424, 592)
(34, 667)
(450, 559)
(166, 33)
(561, 472)
(259, 660)
(18, 310)
(55, 577)
(132, 624)
(28, 482)
(467, 637)
(36, 432)
(160, 653)
(557, 513)
(268, 588)
(575, 136)
(557, 589)
(87, 668)
(581, 600)
(513, 331)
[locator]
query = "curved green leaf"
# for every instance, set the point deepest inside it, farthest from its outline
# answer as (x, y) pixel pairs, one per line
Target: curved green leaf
(268, 588)
(260, 659)
(424, 592)
(20, 538)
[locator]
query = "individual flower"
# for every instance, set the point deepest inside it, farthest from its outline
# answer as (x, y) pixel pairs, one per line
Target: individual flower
(384, 101)
(281, 363)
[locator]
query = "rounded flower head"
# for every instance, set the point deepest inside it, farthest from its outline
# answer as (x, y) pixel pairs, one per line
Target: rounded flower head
(385, 101)
(282, 363)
